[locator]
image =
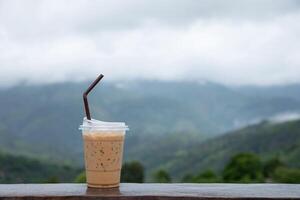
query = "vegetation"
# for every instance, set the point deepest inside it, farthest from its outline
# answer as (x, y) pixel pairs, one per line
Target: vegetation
(161, 176)
(174, 126)
(248, 168)
(33, 118)
(241, 168)
(207, 176)
(271, 165)
(267, 140)
(245, 168)
(132, 172)
(81, 178)
(286, 175)
(276, 160)
(20, 169)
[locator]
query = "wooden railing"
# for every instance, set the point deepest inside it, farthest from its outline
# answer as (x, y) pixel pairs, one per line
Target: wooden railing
(129, 191)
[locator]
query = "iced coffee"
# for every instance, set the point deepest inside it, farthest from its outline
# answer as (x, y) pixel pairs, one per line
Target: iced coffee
(103, 152)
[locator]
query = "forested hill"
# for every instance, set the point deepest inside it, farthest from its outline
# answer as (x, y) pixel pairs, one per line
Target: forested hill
(21, 169)
(266, 139)
(43, 120)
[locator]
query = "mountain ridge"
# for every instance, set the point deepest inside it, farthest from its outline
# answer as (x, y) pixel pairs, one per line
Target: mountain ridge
(266, 139)
(43, 120)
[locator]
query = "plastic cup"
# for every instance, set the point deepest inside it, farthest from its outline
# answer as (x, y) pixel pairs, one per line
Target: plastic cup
(103, 152)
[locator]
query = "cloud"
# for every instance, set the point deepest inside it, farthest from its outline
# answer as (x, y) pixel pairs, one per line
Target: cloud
(245, 42)
(284, 117)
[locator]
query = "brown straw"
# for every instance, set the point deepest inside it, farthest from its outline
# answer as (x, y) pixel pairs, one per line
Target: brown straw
(86, 103)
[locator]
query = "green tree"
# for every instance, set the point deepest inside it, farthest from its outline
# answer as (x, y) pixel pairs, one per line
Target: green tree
(207, 176)
(52, 179)
(132, 172)
(187, 178)
(286, 175)
(271, 165)
(245, 168)
(161, 176)
(81, 178)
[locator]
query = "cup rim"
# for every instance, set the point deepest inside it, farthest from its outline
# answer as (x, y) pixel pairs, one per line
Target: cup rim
(102, 126)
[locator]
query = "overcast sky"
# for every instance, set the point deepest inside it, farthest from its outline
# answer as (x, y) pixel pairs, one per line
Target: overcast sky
(231, 42)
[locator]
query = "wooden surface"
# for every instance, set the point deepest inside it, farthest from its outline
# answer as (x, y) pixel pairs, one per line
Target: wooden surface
(150, 191)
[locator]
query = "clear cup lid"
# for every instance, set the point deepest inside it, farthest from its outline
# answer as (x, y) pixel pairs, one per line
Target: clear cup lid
(100, 125)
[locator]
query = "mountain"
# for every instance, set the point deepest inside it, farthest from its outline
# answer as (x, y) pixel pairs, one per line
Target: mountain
(43, 120)
(290, 91)
(21, 169)
(268, 139)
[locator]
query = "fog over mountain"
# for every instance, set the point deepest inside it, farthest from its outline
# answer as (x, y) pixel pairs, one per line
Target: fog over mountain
(229, 42)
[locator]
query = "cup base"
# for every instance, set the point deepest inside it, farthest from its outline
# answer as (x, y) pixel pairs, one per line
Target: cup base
(103, 186)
